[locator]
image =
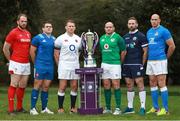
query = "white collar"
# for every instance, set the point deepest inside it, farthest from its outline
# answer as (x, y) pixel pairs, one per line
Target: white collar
(132, 32)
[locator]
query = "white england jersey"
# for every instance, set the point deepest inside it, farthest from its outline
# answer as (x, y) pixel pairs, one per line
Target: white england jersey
(69, 51)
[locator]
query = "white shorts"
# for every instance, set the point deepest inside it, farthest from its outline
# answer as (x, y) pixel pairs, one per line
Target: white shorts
(111, 71)
(67, 71)
(157, 67)
(19, 68)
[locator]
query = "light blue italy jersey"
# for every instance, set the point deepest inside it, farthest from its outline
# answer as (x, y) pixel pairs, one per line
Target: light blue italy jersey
(45, 51)
(157, 38)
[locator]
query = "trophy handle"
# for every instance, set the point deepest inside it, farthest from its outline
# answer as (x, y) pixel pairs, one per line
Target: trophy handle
(84, 44)
(96, 39)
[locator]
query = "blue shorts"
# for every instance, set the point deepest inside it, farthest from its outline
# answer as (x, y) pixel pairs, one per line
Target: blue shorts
(133, 71)
(43, 74)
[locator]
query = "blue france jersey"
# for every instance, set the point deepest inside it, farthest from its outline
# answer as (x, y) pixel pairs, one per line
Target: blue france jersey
(45, 51)
(157, 38)
(135, 42)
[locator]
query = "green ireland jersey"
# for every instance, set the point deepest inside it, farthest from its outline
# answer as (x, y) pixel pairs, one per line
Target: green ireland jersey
(111, 47)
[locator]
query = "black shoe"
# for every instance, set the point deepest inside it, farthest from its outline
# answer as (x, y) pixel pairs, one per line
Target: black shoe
(22, 110)
(13, 113)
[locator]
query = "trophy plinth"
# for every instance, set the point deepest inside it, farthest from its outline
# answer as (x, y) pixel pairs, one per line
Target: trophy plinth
(89, 83)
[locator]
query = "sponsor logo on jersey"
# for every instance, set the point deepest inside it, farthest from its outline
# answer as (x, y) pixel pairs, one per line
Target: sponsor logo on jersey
(106, 46)
(25, 40)
(112, 40)
(127, 38)
(76, 40)
(131, 45)
(151, 41)
(72, 47)
(134, 38)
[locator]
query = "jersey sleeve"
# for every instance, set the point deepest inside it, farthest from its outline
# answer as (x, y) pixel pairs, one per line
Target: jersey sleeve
(35, 41)
(166, 35)
(58, 43)
(143, 41)
(122, 44)
(11, 37)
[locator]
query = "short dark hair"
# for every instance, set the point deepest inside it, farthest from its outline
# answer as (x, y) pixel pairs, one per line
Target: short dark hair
(69, 21)
(46, 22)
(132, 18)
(21, 14)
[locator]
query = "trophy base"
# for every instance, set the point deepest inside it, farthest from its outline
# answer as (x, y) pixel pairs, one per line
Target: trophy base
(92, 65)
(90, 111)
(89, 63)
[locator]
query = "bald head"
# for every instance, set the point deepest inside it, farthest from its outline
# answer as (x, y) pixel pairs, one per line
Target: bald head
(155, 20)
(109, 28)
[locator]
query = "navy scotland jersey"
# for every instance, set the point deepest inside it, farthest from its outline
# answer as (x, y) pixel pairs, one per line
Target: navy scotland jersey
(45, 51)
(135, 42)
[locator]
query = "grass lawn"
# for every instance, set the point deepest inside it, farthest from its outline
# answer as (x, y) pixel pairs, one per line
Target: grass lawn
(174, 106)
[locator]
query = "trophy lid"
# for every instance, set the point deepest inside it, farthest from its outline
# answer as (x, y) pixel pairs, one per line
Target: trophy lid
(89, 32)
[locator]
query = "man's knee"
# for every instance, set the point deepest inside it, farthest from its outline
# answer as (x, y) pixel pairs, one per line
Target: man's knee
(129, 87)
(107, 84)
(14, 83)
(116, 84)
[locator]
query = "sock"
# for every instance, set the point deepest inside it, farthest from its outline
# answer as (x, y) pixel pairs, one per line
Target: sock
(130, 98)
(164, 96)
(34, 98)
(44, 99)
(154, 95)
(20, 96)
(107, 94)
(61, 99)
(11, 94)
(142, 97)
(73, 96)
(117, 94)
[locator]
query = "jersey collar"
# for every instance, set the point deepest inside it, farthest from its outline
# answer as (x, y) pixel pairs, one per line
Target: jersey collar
(133, 32)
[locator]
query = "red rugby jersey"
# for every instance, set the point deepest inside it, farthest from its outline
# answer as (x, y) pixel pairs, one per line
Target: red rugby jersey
(20, 45)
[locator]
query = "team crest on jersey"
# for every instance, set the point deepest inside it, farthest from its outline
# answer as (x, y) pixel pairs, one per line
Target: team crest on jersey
(44, 40)
(106, 46)
(72, 47)
(65, 40)
(134, 38)
(76, 40)
(112, 40)
(28, 35)
(156, 34)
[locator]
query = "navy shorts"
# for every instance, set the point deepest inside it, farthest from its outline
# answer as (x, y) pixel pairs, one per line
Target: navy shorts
(133, 71)
(43, 74)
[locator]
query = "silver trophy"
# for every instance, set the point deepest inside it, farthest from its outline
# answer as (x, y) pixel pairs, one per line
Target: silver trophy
(89, 43)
